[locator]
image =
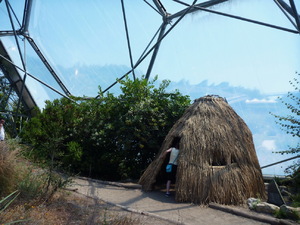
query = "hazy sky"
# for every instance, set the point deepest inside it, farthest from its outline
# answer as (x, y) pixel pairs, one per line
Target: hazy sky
(224, 49)
(203, 46)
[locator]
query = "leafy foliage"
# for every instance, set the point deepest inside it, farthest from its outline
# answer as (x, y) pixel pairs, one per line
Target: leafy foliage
(13, 112)
(6, 201)
(112, 137)
(291, 125)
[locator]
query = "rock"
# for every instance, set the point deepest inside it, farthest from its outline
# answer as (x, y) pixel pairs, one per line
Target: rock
(274, 195)
(290, 212)
(252, 202)
(265, 207)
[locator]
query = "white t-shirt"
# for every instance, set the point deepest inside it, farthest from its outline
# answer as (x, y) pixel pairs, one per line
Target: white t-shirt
(2, 133)
(173, 156)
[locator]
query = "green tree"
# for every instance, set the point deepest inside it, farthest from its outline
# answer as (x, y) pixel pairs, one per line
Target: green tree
(291, 123)
(51, 133)
(145, 116)
(113, 137)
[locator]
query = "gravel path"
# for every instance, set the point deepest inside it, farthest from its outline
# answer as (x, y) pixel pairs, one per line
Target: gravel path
(157, 205)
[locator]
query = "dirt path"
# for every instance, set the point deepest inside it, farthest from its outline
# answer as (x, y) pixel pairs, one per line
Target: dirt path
(157, 205)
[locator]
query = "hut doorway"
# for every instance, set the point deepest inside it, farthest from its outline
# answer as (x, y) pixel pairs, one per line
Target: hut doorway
(166, 181)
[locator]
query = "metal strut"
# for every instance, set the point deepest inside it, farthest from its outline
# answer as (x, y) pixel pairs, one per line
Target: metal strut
(168, 17)
(240, 18)
(24, 32)
(286, 14)
(164, 14)
(44, 60)
(272, 164)
(26, 16)
(127, 37)
(23, 87)
(150, 50)
(9, 63)
(161, 33)
(296, 16)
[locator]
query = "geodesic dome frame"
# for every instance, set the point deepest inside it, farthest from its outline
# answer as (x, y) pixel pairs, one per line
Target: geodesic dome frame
(17, 75)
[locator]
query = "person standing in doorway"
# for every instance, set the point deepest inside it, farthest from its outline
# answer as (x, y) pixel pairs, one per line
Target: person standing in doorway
(2, 132)
(171, 174)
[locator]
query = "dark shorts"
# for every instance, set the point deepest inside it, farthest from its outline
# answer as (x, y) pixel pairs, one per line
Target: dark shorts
(172, 174)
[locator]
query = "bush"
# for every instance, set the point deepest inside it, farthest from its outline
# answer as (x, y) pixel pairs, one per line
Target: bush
(17, 173)
(113, 137)
(31, 185)
(296, 200)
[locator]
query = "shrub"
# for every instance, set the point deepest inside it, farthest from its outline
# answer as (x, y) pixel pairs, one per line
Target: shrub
(112, 137)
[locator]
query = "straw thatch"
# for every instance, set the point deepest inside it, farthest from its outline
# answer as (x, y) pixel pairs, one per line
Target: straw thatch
(217, 160)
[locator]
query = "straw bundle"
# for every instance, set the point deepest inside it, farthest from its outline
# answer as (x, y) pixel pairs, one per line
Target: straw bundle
(217, 160)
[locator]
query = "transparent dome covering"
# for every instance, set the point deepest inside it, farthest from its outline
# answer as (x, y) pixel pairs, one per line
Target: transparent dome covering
(73, 47)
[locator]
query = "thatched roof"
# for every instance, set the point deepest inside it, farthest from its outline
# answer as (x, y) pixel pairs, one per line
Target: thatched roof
(217, 160)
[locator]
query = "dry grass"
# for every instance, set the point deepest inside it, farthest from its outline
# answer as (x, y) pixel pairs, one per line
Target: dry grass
(17, 173)
(217, 160)
(67, 207)
(8, 172)
(34, 206)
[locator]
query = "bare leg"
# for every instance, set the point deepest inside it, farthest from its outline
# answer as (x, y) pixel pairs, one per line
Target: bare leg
(168, 186)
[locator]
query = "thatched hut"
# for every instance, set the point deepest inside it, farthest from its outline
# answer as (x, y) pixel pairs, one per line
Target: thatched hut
(217, 160)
